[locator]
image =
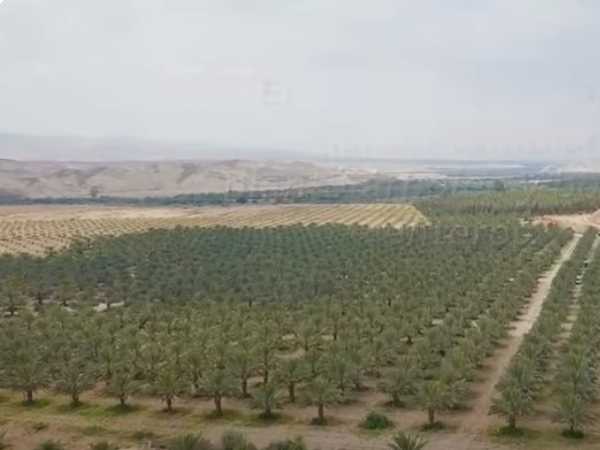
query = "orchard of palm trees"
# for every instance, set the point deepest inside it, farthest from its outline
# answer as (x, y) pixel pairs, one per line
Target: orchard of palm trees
(300, 316)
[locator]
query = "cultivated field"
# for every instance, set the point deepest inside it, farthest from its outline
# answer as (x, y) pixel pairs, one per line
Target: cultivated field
(306, 321)
(477, 338)
(35, 230)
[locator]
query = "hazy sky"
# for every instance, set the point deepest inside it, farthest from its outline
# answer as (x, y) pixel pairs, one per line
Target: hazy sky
(449, 78)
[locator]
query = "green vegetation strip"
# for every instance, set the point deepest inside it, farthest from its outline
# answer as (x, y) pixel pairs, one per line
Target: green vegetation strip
(523, 380)
(315, 313)
(576, 382)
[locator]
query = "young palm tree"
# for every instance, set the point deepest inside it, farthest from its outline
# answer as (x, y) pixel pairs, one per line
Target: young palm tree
(169, 384)
(267, 398)
(402, 381)
(573, 411)
(406, 441)
(24, 357)
(189, 442)
(290, 373)
(515, 401)
(322, 392)
(233, 440)
(74, 373)
(436, 395)
(337, 366)
(123, 383)
(243, 364)
(218, 383)
(266, 342)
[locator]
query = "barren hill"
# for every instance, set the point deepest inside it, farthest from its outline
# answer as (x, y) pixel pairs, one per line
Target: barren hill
(142, 179)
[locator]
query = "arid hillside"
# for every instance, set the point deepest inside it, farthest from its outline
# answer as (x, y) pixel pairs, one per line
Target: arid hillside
(142, 179)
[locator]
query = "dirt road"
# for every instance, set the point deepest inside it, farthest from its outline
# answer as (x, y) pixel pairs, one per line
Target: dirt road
(478, 418)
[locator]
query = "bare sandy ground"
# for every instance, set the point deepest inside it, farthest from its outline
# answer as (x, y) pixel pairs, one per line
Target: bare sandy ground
(578, 222)
(62, 212)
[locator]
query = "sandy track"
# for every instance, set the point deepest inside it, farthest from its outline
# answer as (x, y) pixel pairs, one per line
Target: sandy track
(478, 419)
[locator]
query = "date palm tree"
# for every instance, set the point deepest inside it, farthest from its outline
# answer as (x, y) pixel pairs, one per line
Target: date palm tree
(218, 383)
(267, 397)
(291, 372)
(322, 392)
(407, 441)
(169, 384)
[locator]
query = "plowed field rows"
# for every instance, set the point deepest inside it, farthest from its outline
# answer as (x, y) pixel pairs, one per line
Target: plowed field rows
(36, 230)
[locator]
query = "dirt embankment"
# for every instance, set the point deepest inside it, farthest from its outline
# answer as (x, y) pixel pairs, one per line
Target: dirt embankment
(578, 222)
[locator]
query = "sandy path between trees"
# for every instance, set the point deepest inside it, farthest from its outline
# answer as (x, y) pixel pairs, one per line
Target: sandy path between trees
(478, 419)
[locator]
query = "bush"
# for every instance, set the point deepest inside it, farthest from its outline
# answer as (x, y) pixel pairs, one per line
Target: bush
(232, 440)
(50, 445)
(39, 426)
(190, 442)
(406, 441)
(376, 421)
(296, 444)
(3, 444)
(573, 434)
(103, 445)
(511, 432)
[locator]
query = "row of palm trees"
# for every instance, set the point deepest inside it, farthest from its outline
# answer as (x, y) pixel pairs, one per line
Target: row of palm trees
(576, 381)
(419, 343)
(232, 440)
(439, 264)
(328, 350)
(511, 204)
(526, 377)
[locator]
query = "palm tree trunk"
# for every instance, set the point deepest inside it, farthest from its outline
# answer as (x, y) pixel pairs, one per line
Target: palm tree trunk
(245, 387)
(431, 415)
(218, 405)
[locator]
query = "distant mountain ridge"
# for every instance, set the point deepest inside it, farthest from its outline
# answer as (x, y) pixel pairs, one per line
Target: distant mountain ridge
(219, 170)
(167, 178)
(162, 174)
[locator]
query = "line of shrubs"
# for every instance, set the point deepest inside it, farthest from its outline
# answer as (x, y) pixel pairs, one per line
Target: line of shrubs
(230, 440)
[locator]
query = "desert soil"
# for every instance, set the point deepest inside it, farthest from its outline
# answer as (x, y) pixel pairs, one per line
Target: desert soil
(578, 222)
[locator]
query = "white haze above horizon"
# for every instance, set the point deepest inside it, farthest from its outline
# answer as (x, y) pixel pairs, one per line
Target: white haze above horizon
(481, 79)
